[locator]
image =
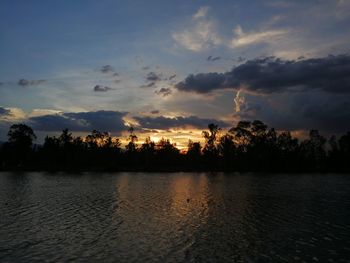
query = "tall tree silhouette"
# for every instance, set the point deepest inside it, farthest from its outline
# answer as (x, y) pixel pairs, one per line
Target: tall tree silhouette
(65, 139)
(227, 149)
(131, 147)
(242, 135)
(147, 152)
(210, 139)
(313, 150)
(20, 142)
(21, 136)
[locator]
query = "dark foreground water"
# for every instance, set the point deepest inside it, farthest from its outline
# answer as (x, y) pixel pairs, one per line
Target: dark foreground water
(174, 217)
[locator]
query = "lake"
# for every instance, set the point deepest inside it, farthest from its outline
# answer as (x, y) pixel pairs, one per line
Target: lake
(174, 217)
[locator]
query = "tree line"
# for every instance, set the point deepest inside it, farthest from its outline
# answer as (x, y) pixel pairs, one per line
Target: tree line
(249, 146)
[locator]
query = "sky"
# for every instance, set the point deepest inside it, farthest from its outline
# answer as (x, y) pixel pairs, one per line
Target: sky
(169, 68)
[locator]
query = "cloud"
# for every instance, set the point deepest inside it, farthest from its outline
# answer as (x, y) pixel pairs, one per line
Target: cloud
(41, 112)
(26, 82)
(307, 110)
(241, 59)
(145, 68)
(100, 88)
(329, 117)
(4, 112)
(280, 3)
(154, 111)
(165, 123)
(342, 10)
(239, 101)
(202, 12)
(152, 76)
(202, 82)
(244, 39)
(211, 58)
(107, 69)
(270, 75)
(200, 35)
(163, 92)
(149, 85)
(172, 77)
(111, 121)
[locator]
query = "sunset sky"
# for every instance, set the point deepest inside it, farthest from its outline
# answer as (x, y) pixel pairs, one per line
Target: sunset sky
(169, 68)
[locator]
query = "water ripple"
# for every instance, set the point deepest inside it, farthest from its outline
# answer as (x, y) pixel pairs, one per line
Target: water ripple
(182, 217)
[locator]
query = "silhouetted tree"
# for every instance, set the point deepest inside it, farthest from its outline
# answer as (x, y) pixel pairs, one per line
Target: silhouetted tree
(131, 147)
(148, 146)
(99, 139)
(227, 149)
(344, 152)
(18, 150)
(210, 139)
(19, 146)
(242, 135)
(288, 152)
(193, 153)
(21, 137)
(344, 143)
(250, 146)
(65, 139)
(167, 153)
(147, 152)
(193, 149)
(286, 143)
(313, 150)
(51, 143)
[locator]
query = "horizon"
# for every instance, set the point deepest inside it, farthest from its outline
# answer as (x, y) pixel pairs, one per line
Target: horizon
(171, 69)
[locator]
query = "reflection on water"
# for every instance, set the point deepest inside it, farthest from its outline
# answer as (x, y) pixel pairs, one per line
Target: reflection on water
(177, 217)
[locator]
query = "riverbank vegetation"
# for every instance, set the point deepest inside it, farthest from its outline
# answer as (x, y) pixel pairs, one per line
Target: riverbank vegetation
(249, 146)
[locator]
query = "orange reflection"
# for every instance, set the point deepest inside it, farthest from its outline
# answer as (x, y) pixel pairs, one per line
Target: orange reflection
(189, 198)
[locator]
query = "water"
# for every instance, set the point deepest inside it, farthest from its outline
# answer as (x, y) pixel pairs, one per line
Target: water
(174, 217)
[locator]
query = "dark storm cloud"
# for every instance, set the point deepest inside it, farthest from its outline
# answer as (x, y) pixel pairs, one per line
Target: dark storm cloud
(202, 83)
(26, 82)
(111, 121)
(164, 123)
(107, 69)
(163, 92)
(326, 117)
(211, 58)
(152, 76)
(329, 113)
(269, 75)
(4, 112)
(100, 88)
